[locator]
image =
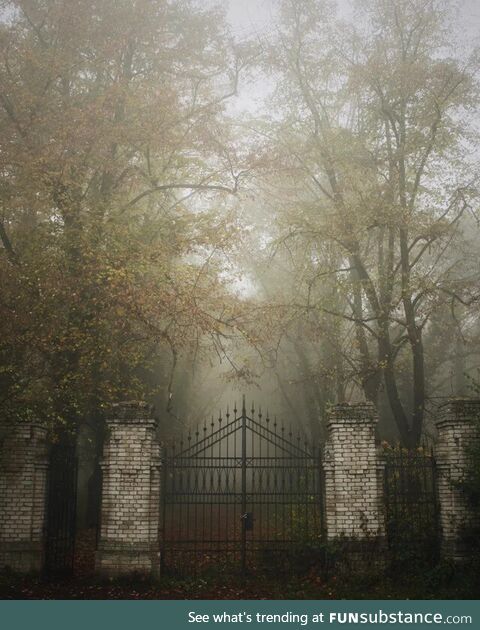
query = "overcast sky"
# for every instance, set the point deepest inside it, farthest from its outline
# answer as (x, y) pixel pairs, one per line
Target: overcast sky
(255, 17)
(251, 16)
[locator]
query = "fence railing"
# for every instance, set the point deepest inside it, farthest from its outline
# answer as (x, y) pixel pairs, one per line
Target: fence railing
(411, 504)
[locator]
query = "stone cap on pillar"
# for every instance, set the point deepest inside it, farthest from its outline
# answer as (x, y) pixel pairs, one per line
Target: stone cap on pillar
(131, 412)
(357, 413)
(457, 411)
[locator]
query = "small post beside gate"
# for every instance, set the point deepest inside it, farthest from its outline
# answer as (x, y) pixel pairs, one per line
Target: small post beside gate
(23, 486)
(458, 426)
(128, 541)
(353, 487)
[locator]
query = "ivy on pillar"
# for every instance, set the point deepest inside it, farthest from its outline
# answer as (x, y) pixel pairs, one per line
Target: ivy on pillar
(458, 428)
(353, 479)
(130, 493)
(23, 482)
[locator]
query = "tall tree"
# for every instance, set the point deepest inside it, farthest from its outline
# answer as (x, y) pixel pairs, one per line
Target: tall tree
(112, 121)
(376, 121)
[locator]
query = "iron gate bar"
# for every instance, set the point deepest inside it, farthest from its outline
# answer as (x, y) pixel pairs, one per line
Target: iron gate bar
(209, 442)
(279, 493)
(279, 441)
(268, 435)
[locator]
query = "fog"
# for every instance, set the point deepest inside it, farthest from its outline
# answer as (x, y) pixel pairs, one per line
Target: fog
(273, 199)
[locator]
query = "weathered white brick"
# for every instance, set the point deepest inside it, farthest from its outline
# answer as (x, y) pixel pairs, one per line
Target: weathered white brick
(131, 481)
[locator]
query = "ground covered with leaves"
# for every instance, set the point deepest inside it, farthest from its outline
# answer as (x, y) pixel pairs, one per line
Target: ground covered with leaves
(441, 582)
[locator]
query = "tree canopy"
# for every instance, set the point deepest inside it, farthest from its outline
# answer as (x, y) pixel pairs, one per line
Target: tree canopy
(324, 246)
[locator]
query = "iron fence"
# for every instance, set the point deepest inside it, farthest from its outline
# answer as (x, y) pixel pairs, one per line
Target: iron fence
(61, 508)
(411, 504)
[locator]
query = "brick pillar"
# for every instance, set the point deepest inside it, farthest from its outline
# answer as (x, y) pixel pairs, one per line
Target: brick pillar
(130, 494)
(457, 426)
(23, 482)
(353, 490)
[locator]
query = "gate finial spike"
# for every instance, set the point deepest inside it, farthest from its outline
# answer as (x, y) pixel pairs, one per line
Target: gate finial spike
(244, 407)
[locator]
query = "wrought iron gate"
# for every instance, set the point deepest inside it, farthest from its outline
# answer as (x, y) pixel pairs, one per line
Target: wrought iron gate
(411, 505)
(61, 508)
(243, 492)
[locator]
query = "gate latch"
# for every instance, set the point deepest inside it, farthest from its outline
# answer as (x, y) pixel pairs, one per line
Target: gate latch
(248, 520)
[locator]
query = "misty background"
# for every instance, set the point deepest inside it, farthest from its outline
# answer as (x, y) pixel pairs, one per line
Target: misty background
(203, 200)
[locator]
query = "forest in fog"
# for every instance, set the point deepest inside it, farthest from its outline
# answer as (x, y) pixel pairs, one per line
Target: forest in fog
(189, 211)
